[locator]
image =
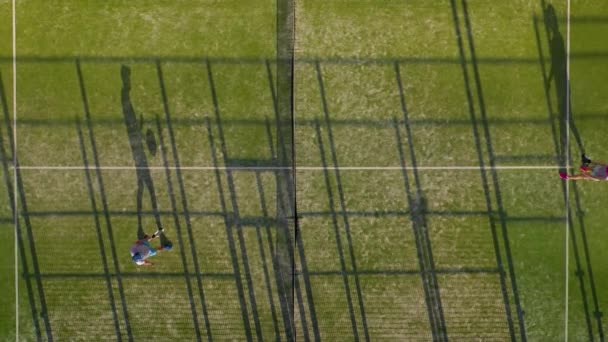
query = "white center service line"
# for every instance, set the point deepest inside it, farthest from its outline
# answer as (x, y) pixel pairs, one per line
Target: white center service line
(14, 29)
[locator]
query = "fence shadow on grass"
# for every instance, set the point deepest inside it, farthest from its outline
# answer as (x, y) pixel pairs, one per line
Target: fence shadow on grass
(289, 284)
(557, 77)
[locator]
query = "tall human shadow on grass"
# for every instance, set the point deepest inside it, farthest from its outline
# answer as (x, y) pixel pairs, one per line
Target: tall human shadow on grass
(559, 77)
(136, 141)
(582, 258)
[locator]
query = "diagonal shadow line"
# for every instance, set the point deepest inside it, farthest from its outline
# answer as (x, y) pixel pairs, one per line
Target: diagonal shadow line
(178, 229)
(14, 209)
(342, 200)
(433, 321)
(334, 219)
(28, 226)
(484, 179)
(497, 192)
(561, 149)
(273, 312)
(235, 208)
(420, 212)
(597, 313)
(180, 239)
(561, 82)
(229, 235)
(104, 201)
(184, 201)
(102, 249)
(287, 205)
(267, 228)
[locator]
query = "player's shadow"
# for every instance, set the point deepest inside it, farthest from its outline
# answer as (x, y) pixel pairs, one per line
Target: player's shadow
(136, 142)
(558, 74)
(558, 80)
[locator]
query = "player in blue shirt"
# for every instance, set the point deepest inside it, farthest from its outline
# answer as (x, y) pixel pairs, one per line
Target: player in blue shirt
(142, 250)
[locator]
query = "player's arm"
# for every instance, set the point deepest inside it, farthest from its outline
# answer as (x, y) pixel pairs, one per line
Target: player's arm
(144, 240)
(584, 177)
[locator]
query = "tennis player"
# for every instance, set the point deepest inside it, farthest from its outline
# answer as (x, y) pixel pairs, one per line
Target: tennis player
(141, 250)
(590, 170)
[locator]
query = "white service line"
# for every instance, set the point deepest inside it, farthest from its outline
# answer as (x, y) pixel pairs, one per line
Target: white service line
(567, 251)
(297, 168)
(14, 29)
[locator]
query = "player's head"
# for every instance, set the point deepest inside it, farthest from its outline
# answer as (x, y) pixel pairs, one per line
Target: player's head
(125, 74)
(138, 259)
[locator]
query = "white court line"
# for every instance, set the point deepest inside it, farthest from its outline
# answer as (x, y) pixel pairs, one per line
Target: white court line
(297, 168)
(568, 164)
(14, 29)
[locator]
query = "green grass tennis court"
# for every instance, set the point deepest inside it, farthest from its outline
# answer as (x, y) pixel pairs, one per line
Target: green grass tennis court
(325, 170)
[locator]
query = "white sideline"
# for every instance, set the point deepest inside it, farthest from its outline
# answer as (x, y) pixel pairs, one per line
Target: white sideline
(567, 266)
(14, 36)
(297, 168)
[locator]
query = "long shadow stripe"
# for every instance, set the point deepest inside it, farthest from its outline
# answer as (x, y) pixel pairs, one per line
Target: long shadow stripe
(334, 219)
(342, 201)
(182, 190)
(421, 211)
(561, 161)
(178, 229)
(497, 193)
(433, 320)
(104, 201)
(274, 259)
(288, 204)
(579, 214)
(102, 249)
(267, 228)
(235, 209)
(562, 150)
(484, 180)
(28, 226)
(14, 209)
(230, 237)
(30, 234)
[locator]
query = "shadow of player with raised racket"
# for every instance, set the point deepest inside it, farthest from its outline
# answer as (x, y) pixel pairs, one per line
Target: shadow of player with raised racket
(559, 76)
(136, 141)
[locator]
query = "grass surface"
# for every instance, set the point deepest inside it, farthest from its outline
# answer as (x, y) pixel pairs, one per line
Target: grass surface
(416, 83)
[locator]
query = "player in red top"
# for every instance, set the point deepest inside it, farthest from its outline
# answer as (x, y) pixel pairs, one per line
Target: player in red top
(590, 170)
